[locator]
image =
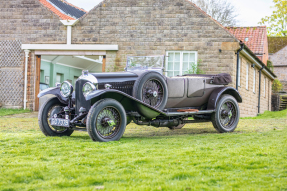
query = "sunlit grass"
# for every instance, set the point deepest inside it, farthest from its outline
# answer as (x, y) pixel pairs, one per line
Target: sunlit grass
(270, 115)
(4, 111)
(196, 157)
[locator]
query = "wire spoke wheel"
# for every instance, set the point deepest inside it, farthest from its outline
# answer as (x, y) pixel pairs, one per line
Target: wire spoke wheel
(108, 122)
(54, 111)
(228, 114)
(153, 92)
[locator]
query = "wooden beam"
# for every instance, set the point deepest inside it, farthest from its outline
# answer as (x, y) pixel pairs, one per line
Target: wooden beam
(37, 85)
(104, 64)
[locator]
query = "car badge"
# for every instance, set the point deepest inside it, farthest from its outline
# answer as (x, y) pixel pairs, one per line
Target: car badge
(55, 115)
(108, 86)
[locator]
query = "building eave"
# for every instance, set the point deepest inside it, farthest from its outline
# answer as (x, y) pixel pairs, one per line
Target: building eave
(249, 54)
(77, 47)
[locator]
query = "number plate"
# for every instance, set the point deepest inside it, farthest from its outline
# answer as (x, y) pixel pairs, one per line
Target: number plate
(60, 122)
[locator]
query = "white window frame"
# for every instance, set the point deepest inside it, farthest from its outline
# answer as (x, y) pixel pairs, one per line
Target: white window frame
(254, 80)
(239, 71)
(181, 59)
(247, 76)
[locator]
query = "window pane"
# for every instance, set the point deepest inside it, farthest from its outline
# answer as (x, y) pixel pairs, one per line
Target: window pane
(169, 74)
(176, 73)
(185, 66)
(170, 57)
(191, 57)
(176, 65)
(177, 57)
(185, 57)
(170, 66)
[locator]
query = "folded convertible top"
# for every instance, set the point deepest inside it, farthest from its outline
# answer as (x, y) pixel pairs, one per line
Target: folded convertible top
(219, 79)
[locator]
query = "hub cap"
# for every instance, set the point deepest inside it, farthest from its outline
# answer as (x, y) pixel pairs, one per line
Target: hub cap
(108, 122)
(153, 92)
(227, 114)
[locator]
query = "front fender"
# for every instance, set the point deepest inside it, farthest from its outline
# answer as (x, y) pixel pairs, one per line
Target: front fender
(54, 91)
(217, 93)
(128, 102)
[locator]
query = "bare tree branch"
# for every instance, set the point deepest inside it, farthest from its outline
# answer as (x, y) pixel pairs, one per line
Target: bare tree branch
(221, 10)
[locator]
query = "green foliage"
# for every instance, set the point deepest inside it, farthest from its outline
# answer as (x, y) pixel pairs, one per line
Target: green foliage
(277, 22)
(270, 65)
(276, 86)
(146, 158)
(195, 68)
(4, 111)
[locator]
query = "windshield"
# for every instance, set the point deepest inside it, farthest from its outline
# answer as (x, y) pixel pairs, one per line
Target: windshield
(145, 63)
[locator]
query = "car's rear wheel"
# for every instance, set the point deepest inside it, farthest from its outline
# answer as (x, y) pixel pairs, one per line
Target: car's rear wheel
(151, 88)
(106, 121)
(226, 117)
(50, 108)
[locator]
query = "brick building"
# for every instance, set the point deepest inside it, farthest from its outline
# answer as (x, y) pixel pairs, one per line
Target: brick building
(278, 56)
(115, 29)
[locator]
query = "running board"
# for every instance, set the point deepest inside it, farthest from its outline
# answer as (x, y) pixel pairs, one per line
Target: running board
(189, 113)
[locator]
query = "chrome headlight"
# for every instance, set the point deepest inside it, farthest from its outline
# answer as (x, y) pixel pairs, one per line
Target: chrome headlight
(66, 89)
(88, 88)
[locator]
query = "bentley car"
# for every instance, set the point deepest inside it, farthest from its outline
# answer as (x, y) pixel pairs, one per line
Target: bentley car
(105, 103)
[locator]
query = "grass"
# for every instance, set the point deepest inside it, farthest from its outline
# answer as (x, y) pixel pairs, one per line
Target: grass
(270, 115)
(196, 157)
(4, 111)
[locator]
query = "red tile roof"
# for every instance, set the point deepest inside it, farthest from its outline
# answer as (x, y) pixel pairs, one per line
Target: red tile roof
(256, 37)
(55, 10)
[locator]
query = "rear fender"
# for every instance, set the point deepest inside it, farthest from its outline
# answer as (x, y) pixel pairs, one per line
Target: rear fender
(128, 102)
(217, 93)
(56, 92)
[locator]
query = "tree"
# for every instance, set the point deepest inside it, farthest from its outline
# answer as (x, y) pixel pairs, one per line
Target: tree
(221, 10)
(277, 22)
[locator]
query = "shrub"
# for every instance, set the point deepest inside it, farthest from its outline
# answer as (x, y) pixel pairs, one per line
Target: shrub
(276, 86)
(270, 65)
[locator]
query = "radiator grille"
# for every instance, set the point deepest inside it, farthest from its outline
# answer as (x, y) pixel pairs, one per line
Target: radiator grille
(126, 87)
(80, 98)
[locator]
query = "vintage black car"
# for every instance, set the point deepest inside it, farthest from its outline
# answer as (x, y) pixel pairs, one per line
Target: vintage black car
(104, 103)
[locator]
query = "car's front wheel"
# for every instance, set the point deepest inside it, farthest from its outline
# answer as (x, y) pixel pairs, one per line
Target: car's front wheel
(226, 117)
(106, 121)
(50, 108)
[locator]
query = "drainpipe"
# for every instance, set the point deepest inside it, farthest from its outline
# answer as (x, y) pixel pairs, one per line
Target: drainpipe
(237, 67)
(25, 82)
(69, 24)
(259, 94)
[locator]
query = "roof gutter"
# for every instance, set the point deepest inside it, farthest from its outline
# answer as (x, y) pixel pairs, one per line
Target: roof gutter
(249, 54)
(238, 59)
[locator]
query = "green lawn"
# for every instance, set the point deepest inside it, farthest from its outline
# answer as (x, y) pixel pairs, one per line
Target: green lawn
(196, 157)
(4, 111)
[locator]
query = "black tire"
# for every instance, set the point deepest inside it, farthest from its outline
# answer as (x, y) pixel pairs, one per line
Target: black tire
(45, 112)
(151, 88)
(106, 116)
(226, 117)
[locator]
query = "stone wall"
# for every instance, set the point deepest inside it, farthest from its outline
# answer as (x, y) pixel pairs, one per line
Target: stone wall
(29, 22)
(249, 106)
(152, 27)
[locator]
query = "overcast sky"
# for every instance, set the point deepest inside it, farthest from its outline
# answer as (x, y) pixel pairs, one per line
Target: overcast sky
(249, 12)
